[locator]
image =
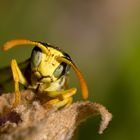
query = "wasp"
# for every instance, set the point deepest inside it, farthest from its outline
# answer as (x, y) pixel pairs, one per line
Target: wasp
(45, 72)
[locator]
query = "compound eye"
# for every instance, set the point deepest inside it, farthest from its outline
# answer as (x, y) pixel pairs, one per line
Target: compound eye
(36, 56)
(60, 70)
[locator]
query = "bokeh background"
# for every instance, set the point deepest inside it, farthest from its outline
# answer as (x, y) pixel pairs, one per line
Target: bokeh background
(103, 39)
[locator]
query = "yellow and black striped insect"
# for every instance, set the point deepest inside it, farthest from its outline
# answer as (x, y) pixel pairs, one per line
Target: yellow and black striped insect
(45, 72)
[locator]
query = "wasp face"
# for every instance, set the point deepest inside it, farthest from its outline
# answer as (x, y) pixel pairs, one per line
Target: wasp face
(45, 67)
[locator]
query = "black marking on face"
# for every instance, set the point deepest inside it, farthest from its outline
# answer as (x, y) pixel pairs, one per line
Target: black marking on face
(36, 56)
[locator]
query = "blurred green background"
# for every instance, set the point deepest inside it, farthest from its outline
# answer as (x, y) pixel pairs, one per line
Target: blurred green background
(102, 37)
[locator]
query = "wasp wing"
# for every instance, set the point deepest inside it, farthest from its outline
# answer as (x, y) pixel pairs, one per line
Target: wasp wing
(6, 78)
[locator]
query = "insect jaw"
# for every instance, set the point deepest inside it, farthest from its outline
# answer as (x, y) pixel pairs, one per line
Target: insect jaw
(42, 78)
(46, 79)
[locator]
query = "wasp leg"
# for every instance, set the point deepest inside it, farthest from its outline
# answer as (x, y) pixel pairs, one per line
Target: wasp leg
(57, 103)
(18, 78)
(68, 92)
(64, 98)
(70, 101)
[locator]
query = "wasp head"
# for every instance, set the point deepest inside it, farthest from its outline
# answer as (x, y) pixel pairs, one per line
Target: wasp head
(45, 67)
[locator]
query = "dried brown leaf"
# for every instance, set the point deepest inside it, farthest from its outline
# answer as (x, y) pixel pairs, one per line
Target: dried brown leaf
(39, 123)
